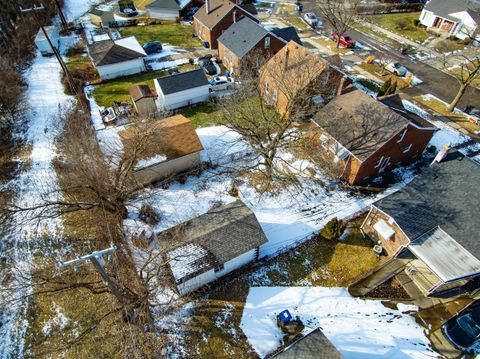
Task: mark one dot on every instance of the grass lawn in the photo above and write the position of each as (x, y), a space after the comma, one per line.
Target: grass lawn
(447, 45)
(168, 33)
(297, 22)
(201, 115)
(376, 71)
(402, 24)
(140, 4)
(215, 329)
(440, 108)
(378, 35)
(331, 45)
(117, 90)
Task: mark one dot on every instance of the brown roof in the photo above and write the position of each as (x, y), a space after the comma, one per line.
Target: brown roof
(172, 137)
(360, 123)
(140, 91)
(108, 52)
(218, 10)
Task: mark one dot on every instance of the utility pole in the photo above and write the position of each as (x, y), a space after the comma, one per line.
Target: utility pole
(64, 67)
(96, 258)
(62, 16)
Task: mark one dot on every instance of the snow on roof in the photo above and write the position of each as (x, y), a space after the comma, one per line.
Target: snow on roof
(131, 43)
(150, 161)
(444, 256)
(41, 36)
(187, 260)
(384, 229)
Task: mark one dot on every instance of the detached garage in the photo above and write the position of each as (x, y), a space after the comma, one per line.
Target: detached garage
(166, 9)
(41, 41)
(183, 89)
(117, 58)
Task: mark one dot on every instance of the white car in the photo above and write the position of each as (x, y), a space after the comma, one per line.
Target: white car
(311, 19)
(219, 83)
(396, 68)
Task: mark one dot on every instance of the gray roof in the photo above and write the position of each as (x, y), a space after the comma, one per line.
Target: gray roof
(313, 346)
(288, 34)
(446, 7)
(242, 36)
(182, 81)
(445, 195)
(163, 4)
(109, 52)
(222, 234)
(436, 245)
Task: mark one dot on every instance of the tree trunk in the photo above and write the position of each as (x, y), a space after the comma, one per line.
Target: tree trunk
(338, 42)
(461, 91)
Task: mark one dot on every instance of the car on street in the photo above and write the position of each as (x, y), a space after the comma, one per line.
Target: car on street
(396, 68)
(463, 330)
(207, 63)
(311, 19)
(219, 83)
(345, 40)
(129, 12)
(152, 47)
(473, 114)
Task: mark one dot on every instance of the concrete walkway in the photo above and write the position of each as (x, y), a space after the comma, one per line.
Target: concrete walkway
(378, 276)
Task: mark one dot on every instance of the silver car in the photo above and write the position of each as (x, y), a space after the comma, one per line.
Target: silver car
(396, 68)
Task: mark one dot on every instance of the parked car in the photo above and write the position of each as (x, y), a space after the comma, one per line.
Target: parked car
(311, 19)
(396, 68)
(473, 114)
(219, 83)
(345, 40)
(463, 330)
(152, 47)
(208, 65)
(129, 12)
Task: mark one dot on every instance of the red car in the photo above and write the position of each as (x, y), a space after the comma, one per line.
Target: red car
(345, 40)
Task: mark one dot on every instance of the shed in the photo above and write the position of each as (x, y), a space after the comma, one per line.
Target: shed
(164, 148)
(212, 245)
(182, 89)
(41, 41)
(143, 100)
(166, 9)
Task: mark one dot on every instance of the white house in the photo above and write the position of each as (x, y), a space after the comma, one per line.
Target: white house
(459, 18)
(116, 58)
(212, 245)
(41, 41)
(182, 89)
(166, 9)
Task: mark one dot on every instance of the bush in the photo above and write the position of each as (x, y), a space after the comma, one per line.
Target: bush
(388, 88)
(148, 214)
(333, 229)
(233, 190)
(416, 22)
(182, 179)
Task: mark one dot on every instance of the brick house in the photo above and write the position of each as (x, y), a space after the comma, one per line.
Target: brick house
(432, 224)
(364, 137)
(216, 16)
(296, 74)
(247, 42)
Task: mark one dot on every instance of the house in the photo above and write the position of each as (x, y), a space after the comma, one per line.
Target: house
(288, 34)
(364, 138)
(296, 74)
(212, 245)
(166, 9)
(102, 18)
(314, 345)
(182, 89)
(143, 100)
(434, 222)
(164, 148)
(116, 58)
(458, 18)
(246, 45)
(41, 41)
(216, 16)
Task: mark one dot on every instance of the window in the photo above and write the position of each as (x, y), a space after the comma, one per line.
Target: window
(266, 87)
(267, 42)
(379, 162)
(408, 148)
(382, 163)
(219, 268)
(402, 135)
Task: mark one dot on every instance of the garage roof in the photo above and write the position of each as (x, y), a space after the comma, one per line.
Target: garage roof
(182, 81)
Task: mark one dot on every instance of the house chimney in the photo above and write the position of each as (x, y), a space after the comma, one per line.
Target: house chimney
(341, 86)
(207, 6)
(441, 154)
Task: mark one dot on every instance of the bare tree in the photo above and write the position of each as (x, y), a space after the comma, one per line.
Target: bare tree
(468, 72)
(339, 14)
(11, 93)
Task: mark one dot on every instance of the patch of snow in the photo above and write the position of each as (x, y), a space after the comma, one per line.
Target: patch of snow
(150, 161)
(165, 65)
(131, 43)
(407, 308)
(60, 321)
(357, 328)
(186, 260)
(73, 9)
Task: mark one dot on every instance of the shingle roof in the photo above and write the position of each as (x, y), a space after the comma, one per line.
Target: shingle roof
(182, 81)
(446, 7)
(140, 91)
(288, 34)
(163, 4)
(109, 52)
(172, 137)
(223, 233)
(360, 123)
(218, 10)
(242, 36)
(444, 195)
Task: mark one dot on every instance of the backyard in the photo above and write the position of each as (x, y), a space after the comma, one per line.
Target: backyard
(167, 33)
(401, 23)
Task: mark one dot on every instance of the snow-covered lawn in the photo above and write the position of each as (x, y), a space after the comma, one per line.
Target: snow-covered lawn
(360, 329)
